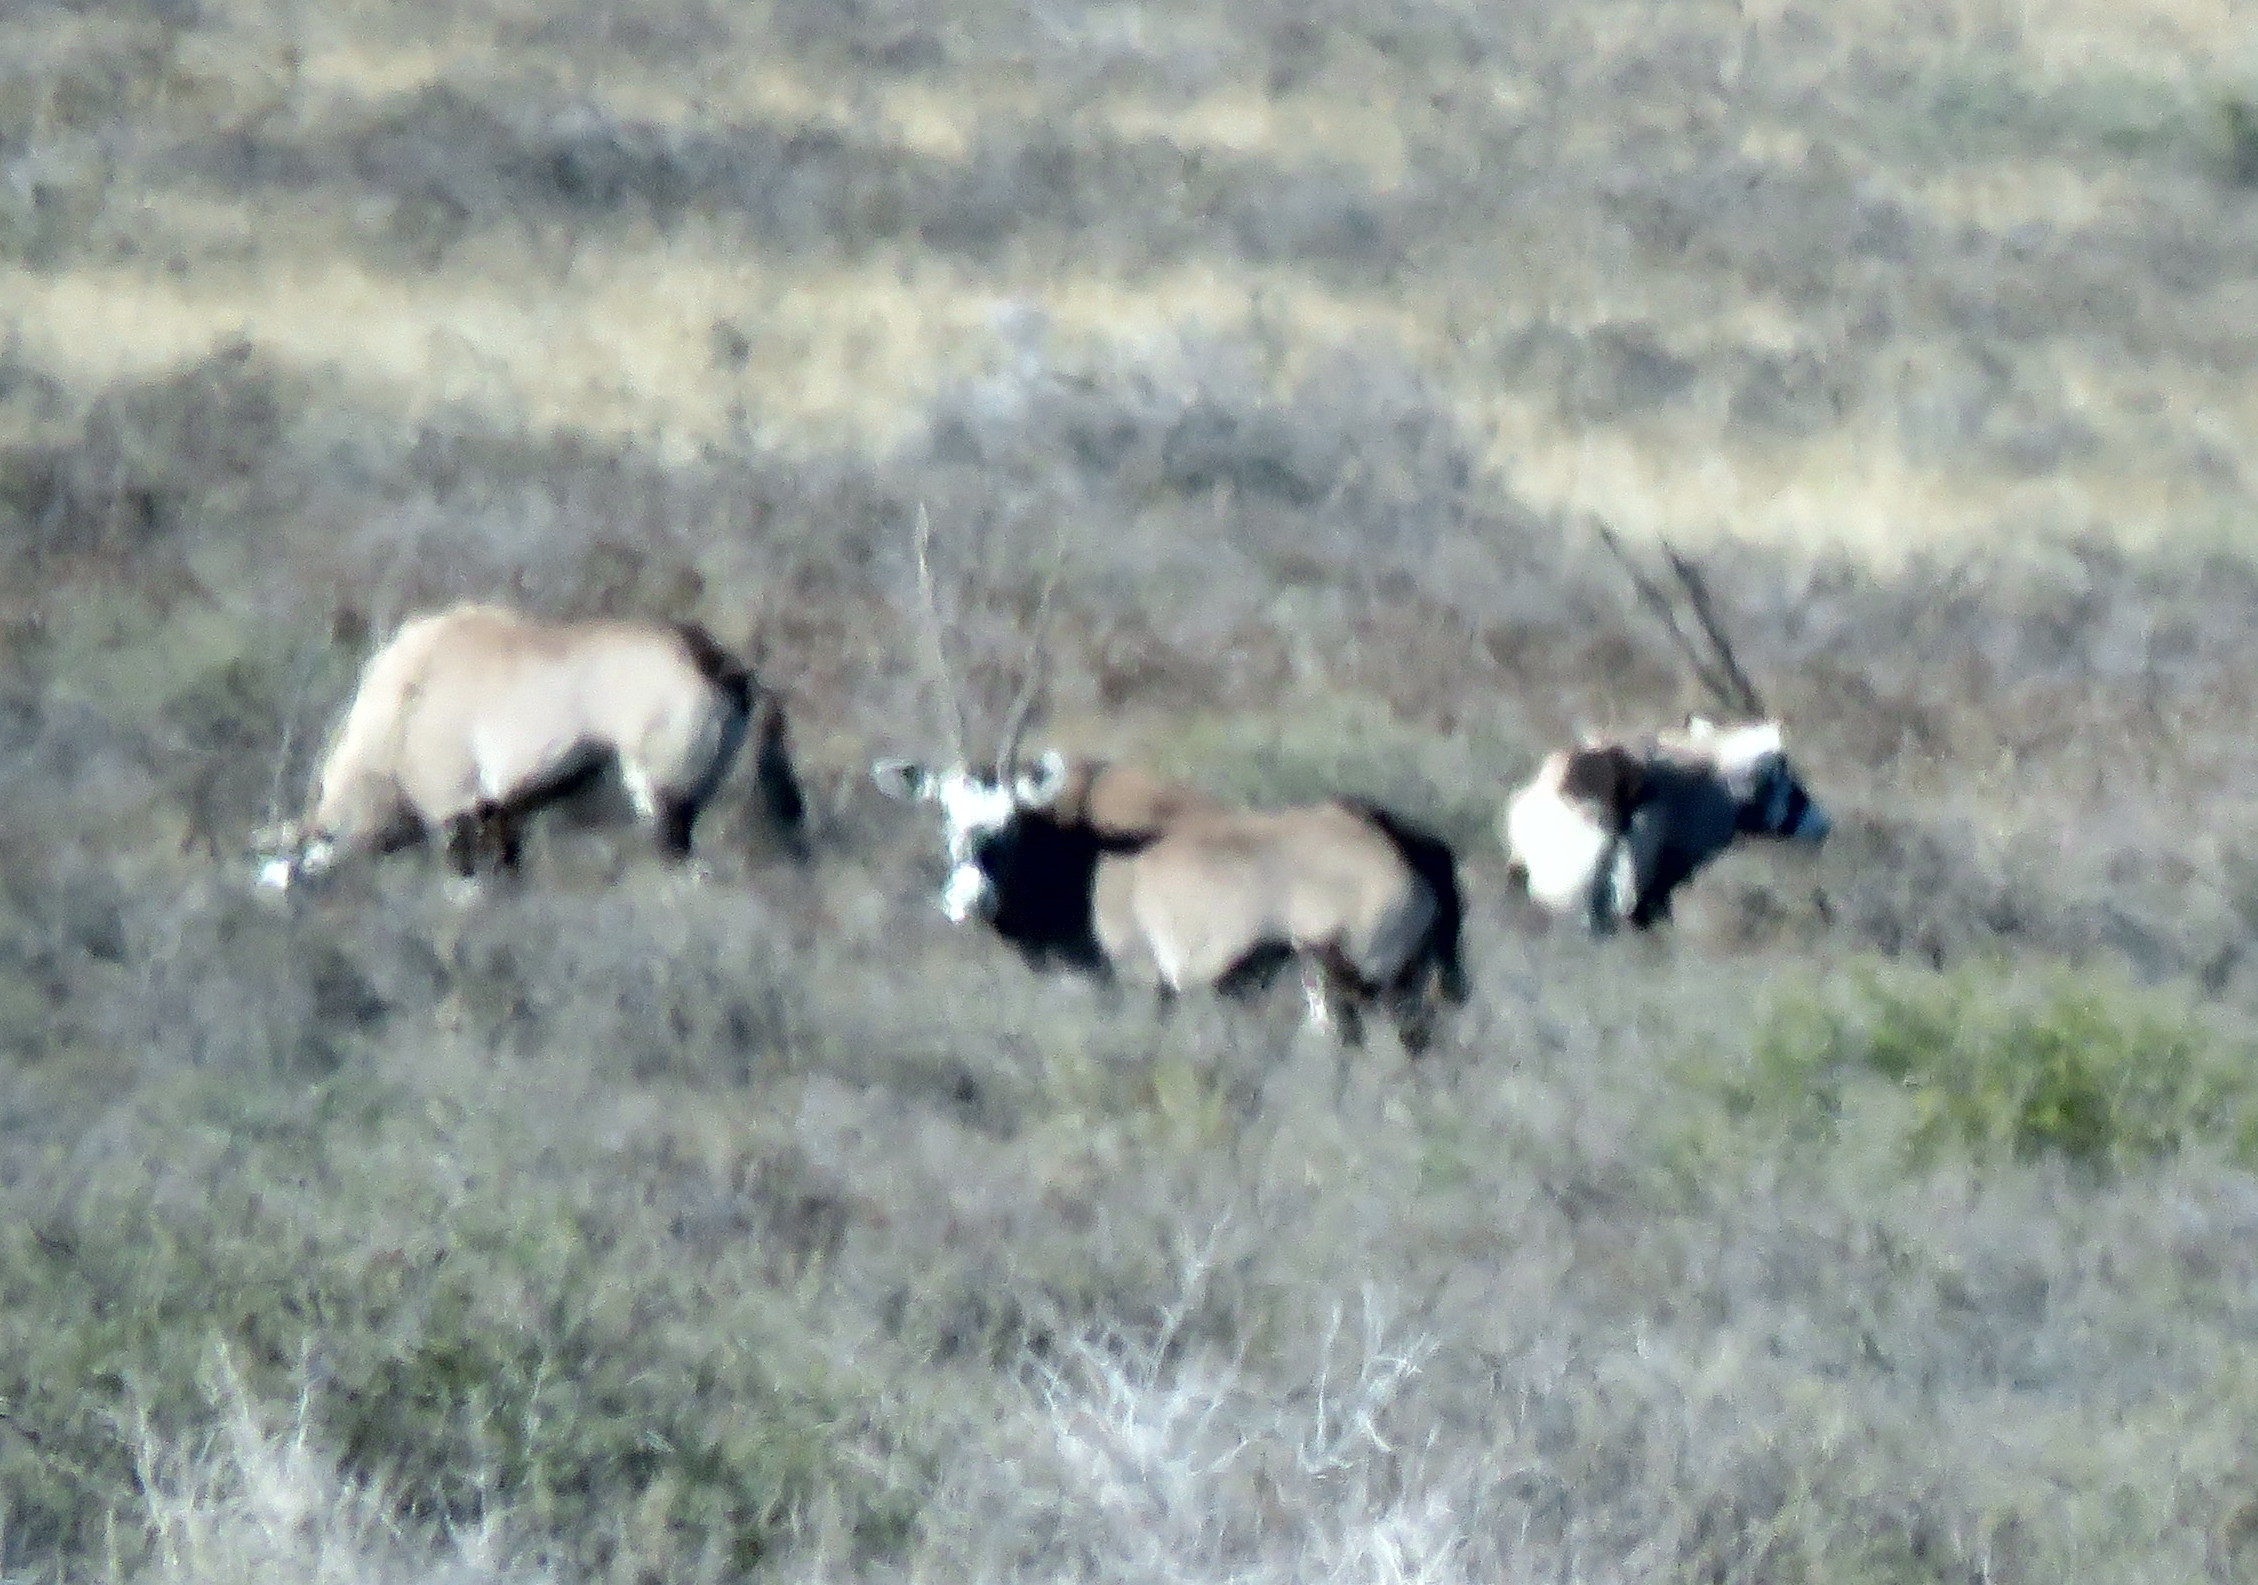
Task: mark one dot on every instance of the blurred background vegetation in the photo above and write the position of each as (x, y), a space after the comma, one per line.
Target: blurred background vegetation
(1891, 1220)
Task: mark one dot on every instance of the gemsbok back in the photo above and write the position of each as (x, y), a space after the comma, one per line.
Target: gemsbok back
(471, 718)
(1108, 868)
(1611, 829)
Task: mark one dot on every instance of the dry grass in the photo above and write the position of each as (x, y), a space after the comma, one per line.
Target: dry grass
(255, 1499)
(610, 1228)
(615, 331)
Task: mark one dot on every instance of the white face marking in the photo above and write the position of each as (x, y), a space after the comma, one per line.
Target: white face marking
(319, 855)
(972, 809)
(1741, 749)
(276, 874)
(966, 892)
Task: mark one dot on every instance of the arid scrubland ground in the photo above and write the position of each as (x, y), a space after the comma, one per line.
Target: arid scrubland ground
(1891, 1220)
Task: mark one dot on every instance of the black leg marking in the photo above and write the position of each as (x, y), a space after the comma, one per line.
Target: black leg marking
(1342, 992)
(507, 838)
(1413, 1012)
(676, 817)
(464, 837)
(1349, 1016)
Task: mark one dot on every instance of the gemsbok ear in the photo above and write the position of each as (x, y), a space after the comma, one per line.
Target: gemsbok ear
(904, 781)
(1046, 781)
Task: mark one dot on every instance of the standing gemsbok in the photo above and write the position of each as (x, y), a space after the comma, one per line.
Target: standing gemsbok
(470, 718)
(1611, 828)
(1108, 868)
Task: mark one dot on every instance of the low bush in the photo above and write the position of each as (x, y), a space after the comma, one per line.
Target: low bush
(476, 1343)
(2071, 1063)
(257, 1494)
(2242, 141)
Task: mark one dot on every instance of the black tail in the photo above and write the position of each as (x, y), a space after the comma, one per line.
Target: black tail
(773, 773)
(717, 665)
(778, 781)
(1432, 860)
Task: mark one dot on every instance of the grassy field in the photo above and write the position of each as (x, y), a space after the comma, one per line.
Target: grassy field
(1894, 1219)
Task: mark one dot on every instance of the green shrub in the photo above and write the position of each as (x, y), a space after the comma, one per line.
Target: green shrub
(2242, 141)
(2071, 1063)
(500, 1346)
(1349, 744)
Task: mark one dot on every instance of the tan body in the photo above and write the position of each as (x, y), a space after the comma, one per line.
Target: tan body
(469, 716)
(1124, 800)
(1217, 884)
(1115, 869)
(1166, 886)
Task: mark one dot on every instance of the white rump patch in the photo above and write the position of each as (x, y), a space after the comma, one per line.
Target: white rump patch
(1560, 846)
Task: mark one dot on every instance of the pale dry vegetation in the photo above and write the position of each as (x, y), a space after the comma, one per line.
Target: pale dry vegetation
(1894, 1219)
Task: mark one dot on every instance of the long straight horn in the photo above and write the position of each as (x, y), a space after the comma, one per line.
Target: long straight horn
(937, 649)
(1031, 680)
(1744, 695)
(1731, 686)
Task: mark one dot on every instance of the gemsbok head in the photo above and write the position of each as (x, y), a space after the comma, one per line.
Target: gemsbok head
(1109, 868)
(471, 718)
(1611, 828)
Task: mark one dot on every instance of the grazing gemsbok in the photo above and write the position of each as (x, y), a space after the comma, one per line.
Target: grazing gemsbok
(1108, 868)
(1611, 828)
(471, 718)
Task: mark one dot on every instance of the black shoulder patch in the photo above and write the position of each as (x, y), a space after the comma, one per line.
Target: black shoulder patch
(1609, 775)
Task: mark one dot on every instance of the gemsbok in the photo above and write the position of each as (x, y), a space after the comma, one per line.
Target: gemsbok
(470, 719)
(1108, 868)
(1611, 829)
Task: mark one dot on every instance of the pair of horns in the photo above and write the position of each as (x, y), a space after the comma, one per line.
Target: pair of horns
(1032, 670)
(1719, 671)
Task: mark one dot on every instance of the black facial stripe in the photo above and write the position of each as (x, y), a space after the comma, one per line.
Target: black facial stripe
(1791, 812)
